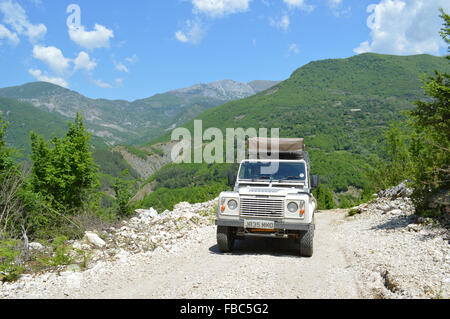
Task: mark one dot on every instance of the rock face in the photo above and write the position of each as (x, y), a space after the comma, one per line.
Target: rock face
(226, 90)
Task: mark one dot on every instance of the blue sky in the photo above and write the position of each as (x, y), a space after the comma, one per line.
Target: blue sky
(134, 49)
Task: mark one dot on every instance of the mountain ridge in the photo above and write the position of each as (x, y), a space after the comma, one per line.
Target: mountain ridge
(128, 122)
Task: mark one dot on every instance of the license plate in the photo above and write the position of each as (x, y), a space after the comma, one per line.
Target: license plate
(260, 224)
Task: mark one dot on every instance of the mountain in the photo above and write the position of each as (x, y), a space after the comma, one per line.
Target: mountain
(342, 107)
(124, 122)
(22, 117)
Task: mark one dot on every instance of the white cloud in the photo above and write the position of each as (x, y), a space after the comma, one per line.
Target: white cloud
(117, 83)
(102, 84)
(132, 59)
(181, 37)
(220, 8)
(193, 34)
(84, 62)
(98, 38)
(338, 9)
(16, 17)
(334, 2)
(404, 27)
(37, 74)
(299, 4)
(121, 67)
(5, 33)
(53, 57)
(283, 23)
(293, 48)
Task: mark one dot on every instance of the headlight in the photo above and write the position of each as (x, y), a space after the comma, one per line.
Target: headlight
(292, 207)
(232, 204)
(302, 204)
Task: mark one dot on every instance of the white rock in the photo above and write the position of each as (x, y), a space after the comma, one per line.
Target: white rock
(36, 246)
(94, 239)
(149, 213)
(395, 212)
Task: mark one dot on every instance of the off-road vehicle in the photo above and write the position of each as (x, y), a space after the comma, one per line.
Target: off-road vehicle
(271, 197)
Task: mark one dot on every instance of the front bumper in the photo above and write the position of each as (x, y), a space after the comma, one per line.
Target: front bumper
(278, 224)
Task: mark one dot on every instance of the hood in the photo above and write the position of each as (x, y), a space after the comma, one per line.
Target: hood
(270, 191)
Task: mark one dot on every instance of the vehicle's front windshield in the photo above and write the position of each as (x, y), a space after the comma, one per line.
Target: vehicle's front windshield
(287, 171)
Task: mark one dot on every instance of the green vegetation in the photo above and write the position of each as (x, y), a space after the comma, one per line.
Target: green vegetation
(123, 190)
(341, 107)
(112, 163)
(60, 254)
(193, 183)
(137, 152)
(324, 197)
(63, 170)
(420, 150)
(8, 260)
(24, 117)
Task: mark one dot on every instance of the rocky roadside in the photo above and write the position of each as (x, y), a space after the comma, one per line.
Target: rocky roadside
(146, 234)
(391, 252)
(397, 254)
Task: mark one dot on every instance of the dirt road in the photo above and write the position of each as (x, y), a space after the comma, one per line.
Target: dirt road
(378, 254)
(258, 268)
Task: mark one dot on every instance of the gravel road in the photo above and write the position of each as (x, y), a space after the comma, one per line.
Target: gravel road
(258, 268)
(375, 254)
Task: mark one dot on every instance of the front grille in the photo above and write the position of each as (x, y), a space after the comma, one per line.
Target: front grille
(262, 207)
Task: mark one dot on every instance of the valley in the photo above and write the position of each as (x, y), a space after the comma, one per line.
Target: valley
(342, 107)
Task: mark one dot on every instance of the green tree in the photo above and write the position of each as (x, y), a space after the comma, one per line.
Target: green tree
(63, 168)
(123, 190)
(430, 146)
(5, 152)
(396, 166)
(324, 197)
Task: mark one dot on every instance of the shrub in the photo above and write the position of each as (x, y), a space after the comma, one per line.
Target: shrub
(9, 253)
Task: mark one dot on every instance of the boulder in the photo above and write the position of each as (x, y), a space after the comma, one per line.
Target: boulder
(94, 239)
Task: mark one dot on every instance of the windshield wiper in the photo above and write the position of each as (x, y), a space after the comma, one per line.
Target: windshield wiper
(287, 178)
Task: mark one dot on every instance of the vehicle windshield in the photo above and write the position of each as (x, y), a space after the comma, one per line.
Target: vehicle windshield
(286, 171)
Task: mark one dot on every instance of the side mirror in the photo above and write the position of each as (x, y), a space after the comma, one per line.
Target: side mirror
(231, 179)
(314, 181)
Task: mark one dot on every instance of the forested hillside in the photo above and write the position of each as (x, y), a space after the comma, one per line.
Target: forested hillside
(124, 122)
(342, 108)
(23, 117)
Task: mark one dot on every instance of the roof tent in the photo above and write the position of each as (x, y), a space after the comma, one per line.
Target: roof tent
(287, 148)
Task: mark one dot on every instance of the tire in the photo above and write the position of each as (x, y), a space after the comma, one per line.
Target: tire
(307, 242)
(225, 239)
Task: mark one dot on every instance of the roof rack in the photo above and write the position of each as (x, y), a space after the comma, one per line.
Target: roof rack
(287, 148)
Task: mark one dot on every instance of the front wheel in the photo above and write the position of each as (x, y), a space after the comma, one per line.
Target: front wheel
(225, 239)
(306, 242)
